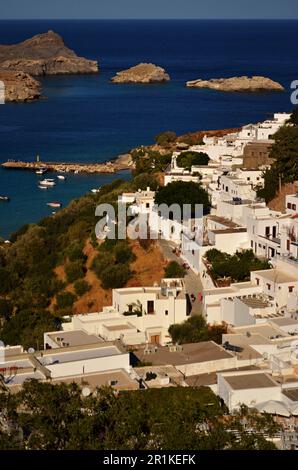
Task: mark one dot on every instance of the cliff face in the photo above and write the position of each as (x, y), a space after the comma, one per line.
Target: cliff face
(44, 54)
(241, 84)
(20, 87)
(142, 73)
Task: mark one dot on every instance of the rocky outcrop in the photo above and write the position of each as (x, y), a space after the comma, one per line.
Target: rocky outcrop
(142, 73)
(44, 54)
(19, 87)
(241, 84)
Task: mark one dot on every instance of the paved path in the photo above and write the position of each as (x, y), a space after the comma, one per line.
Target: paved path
(193, 282)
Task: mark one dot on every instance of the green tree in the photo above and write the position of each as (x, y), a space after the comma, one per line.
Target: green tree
(65, 300)
(181, 193)
(74, 271)
(165, 138)
(174, 270)
(189, 158)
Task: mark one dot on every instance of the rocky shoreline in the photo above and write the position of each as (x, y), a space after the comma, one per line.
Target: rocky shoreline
(19, 87)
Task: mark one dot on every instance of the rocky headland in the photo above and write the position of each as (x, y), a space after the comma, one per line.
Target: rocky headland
(142, 73)
(238, 84)
(44, 54)
(19, 86)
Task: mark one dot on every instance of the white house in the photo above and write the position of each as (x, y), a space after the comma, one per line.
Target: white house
(138, 314)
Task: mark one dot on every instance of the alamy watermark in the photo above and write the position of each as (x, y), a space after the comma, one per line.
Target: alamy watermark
(2, 92)
(158, 222)
(294, 94)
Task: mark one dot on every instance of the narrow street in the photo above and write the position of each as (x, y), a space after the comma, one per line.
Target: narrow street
(193, 282)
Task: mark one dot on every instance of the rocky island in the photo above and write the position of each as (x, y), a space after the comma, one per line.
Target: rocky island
(142, 73)
(44, 54)
(19, 86)
(238, 84)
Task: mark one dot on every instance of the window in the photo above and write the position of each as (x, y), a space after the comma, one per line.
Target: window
(166, 312)
(293, 207)
(268, 286)
(257, 281)
(289, 205)
(147, 205)
(150, 307)
(291, 288)
(192, 252)
(130, 308)
(251, 244)
(227, 189)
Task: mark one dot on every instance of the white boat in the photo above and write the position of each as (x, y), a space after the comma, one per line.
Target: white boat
(42, 187)
(61, 177)
(95, 191)
(47, 182)
(54, 204)
(41, 171)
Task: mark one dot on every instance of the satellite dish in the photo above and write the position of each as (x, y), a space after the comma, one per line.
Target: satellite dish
(31, 350)
(86, 392)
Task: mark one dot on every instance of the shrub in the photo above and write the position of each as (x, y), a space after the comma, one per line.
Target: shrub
(174, 269)
(65, 300)
(113, 277)
(180, 192)
(144, 180)
(74, 271)
(81, 287)
(165, 138)
(123, 253)
(6, 309)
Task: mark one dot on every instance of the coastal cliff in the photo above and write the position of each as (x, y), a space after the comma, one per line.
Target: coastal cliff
(238, 84)
(142, 73)
(44, 54)
(19, 86)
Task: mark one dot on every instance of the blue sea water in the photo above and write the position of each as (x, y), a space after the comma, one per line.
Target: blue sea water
(86, 118)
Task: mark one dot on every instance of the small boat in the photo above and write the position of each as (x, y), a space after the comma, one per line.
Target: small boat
(41, 171)
(47, 182)
(42, 187)
(4, 198)
(95, 191)
(54, 204)
(61, 177)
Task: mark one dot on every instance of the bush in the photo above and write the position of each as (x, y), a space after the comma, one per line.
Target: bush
(123, 253)
(74, 271)
(174, 269)
(113, 277)
(195, 330)
(165, 138)
(189, 158)
(75, 252)
(81, 287)
(143, 181)
(65, 300)
(6, 309)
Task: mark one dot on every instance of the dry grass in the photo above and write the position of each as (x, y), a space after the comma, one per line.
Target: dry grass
(279, 202)
(148, 269)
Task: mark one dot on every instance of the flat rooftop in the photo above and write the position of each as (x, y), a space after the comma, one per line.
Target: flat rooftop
(201, 380)
(277, 276)
(123, 326)
(245, 381)
(285, 321)
(74, 338)
(62, 355)
(265, 330)
(291, 393)
(118, 379)
(229, 230)
(191, 353)
(223, 221)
